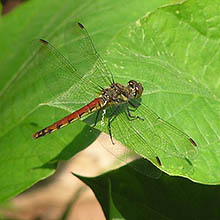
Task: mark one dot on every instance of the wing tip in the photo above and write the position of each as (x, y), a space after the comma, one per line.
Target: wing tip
(81, 26)
(158, 161)
(193, 142)
(43, 41)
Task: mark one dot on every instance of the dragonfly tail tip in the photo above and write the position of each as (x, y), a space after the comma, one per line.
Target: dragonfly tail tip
(38, 134)
(35, 136)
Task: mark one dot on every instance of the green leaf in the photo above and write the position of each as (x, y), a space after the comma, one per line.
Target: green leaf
(113, 211)
(25, 161)
(160, 51)
(138, 197)
(174, 53)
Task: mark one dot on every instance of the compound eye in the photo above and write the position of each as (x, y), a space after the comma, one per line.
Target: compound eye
(132, 83)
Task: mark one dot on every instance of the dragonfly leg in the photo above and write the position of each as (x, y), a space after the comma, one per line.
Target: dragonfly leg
(130, 103)
(110, 119)
(132, 117)
(96, 118)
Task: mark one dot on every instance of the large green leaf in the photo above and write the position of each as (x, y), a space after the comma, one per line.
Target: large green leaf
(160, 50)
(139, 197)
(21, 90)
(174, 52)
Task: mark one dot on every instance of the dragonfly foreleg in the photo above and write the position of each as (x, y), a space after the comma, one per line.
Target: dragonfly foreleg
(110, 119)
(132, 117)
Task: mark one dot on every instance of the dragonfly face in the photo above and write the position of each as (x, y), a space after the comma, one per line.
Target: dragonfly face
(136, 89)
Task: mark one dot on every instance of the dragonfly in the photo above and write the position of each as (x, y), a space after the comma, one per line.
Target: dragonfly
(128, 119)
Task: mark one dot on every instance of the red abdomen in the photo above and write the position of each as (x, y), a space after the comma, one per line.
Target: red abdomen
(94, 105)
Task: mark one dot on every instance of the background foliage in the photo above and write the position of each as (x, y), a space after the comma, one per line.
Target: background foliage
(175, 49)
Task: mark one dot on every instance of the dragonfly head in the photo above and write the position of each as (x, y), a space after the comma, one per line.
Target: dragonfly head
(135, 88)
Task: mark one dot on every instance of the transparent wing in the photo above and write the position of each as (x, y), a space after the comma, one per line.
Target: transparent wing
(128, 156)
(81, 73)
(155, 139)
(81, 50)
(53, 67)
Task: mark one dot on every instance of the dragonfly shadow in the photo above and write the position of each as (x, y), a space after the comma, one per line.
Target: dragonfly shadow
(78, 144)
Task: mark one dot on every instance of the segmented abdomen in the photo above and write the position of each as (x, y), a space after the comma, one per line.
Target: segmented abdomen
(94, 105)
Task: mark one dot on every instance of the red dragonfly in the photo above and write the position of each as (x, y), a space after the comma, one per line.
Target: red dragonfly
(86, 73)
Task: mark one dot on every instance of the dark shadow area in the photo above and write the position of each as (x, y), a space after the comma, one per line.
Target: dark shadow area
(136, 196)
(77, 145)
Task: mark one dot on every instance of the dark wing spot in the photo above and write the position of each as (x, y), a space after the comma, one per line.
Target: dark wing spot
(43, 41)
(158, 160)
(193, 142)
(80, 25)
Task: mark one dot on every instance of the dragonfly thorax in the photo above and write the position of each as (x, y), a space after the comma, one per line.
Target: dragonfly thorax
(117, 93)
